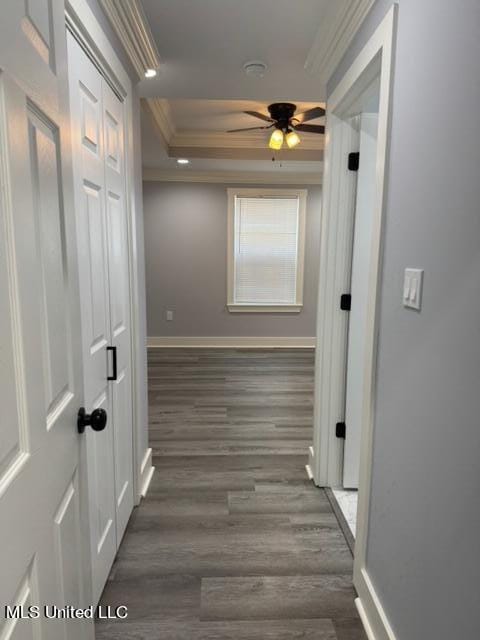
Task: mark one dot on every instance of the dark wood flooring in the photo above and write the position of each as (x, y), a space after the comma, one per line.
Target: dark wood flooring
(232, 542)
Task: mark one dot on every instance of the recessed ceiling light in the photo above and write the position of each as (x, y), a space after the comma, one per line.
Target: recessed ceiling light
(255, 68)
(150, 73)
(183, 161)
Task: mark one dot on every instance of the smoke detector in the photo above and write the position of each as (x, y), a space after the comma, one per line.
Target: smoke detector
(255, 68)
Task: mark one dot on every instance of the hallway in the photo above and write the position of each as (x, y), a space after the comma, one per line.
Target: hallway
(233, 541)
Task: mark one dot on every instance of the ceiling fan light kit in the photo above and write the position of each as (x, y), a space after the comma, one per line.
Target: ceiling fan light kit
(286, 123)
(292, 139)
(276, 139)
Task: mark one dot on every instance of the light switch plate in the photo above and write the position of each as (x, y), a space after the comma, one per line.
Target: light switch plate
(412, 288)
(169, 315)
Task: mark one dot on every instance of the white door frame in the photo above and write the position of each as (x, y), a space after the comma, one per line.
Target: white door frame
(374, 61)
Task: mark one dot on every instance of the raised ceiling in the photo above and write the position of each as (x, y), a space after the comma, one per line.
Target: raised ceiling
(197, 129)
(222, 115)
(201, 90)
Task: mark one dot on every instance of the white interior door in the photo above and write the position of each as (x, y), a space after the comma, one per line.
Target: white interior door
(366, 185)
(89, 176)
(40, 352)
(99, 171)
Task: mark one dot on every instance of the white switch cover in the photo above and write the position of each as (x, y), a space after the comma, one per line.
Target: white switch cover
(169, 316)
(412, 288)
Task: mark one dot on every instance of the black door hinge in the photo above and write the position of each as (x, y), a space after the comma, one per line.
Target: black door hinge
(341, 430)
(346, 301)
(353, 161)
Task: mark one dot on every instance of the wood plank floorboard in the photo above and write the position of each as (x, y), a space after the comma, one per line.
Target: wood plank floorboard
(232, 542)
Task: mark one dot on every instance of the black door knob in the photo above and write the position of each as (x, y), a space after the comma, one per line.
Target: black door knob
(97, 419)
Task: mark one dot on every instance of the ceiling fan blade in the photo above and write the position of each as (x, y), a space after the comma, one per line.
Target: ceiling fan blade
(257, 114)
(311, 114)
(250, 129)
(310, 128)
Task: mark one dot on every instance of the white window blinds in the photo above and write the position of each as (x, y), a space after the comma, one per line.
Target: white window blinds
(266, 250)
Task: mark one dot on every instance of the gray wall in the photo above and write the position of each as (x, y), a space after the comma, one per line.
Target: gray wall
(423, 543)
(186, 265)
(113, 38)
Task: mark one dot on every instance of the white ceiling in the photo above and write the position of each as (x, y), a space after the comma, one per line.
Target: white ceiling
(203, 45)
(222, 115)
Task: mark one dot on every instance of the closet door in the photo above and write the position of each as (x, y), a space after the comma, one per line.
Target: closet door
(86, 105)
(99, 165)
(119, 296)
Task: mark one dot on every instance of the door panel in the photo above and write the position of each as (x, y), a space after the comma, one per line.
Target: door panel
(89, 171)
(97, 323)
(40, 365)
(49, 225)
(33, 33)
(67, 545)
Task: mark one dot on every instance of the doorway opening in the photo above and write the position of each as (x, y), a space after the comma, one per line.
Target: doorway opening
(350, 267)
(362, 164)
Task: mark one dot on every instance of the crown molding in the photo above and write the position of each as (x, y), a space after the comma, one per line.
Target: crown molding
(225, 153)
(221, 139)
(332, 40)
(161, 114)
(131, 26)
(231, 177)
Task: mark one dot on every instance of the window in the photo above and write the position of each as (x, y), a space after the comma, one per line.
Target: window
(266, 249)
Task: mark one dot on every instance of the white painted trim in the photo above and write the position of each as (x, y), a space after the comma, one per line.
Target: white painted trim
(375, 60)
(331, 42)
(302, 195)
(237, 342)
(263, 308)
(231, 177)
(146, 473)
(311, 460)
(222, 139)
(370, 609)
(132, 28)
(364, 618)
(89, 32)
(160, 112)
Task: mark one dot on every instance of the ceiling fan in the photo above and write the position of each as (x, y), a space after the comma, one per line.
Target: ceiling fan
(285, 123)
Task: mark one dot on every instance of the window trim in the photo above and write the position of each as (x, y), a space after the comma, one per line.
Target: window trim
(235, 307)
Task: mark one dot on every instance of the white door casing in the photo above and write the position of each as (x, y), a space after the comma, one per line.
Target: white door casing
(357, 328)
(40, 352)
(99, 176)
(376, 60)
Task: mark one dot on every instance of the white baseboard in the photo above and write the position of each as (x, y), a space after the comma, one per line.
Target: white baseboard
(310, 463)
(232, 342)
(311, 457)
(146, 473)
(370, 609)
